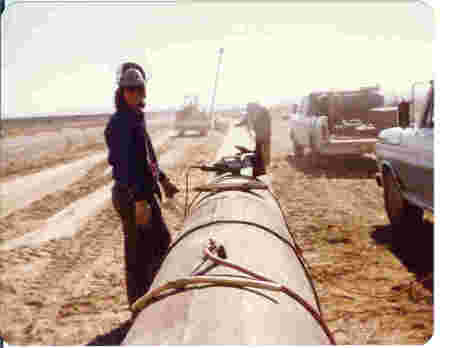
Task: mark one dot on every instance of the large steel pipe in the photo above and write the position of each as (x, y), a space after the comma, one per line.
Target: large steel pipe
(250, 226)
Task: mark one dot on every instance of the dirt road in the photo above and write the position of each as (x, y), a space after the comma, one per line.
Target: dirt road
(71, 291)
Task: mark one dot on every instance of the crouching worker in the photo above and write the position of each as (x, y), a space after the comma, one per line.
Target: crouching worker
(137, 177)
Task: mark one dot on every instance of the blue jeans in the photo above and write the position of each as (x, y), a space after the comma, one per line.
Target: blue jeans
(144, 246)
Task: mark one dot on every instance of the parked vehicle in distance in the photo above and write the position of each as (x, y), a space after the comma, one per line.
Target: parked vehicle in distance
(405, 159)
(334, 123)
(190, 117)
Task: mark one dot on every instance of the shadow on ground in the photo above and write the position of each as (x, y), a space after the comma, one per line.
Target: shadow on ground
(152, 248)
(412, 245)
(113, 338)
(337, 167)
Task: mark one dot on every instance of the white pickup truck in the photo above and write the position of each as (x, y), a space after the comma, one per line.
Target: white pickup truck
(309, 127)
(405, 159)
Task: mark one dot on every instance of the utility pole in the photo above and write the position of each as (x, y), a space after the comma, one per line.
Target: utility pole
(219, 62)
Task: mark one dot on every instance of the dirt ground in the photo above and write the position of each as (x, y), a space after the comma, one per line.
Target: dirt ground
(375, 285)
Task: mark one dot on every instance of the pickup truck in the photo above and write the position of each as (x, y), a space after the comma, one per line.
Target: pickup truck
(405, 160)
(320, 124)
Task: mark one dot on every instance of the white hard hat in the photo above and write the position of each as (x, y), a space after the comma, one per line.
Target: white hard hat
(131, 75)
(132, 78)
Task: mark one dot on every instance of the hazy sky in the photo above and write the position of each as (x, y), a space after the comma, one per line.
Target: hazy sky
(63, 57)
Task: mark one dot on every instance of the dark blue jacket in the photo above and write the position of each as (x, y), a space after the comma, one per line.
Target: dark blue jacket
(132, 156)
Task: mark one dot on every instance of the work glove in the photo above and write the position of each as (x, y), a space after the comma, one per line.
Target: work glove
(143, 213)
(169, 189)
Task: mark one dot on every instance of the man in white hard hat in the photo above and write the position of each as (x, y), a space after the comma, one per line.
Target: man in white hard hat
(137, 177)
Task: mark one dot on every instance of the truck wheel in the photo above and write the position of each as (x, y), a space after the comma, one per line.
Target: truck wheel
(299, 150)
(315, 157)
(399, 210)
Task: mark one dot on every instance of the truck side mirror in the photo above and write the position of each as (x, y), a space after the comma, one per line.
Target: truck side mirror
(403, 114)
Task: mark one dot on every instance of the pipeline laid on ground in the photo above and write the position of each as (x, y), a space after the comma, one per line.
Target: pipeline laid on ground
(232, 276)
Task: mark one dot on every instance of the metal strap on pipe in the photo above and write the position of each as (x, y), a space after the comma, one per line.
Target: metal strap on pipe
(215, 222)
(264, 228)
(261, 282)
(296, 248)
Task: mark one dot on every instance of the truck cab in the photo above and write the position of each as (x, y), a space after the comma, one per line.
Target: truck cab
(405, 158)
(332, 123)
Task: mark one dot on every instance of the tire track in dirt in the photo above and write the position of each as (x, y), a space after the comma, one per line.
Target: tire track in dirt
(30, 218)
(18, 168)
(30, 281)
(84, 276)
(25, 166)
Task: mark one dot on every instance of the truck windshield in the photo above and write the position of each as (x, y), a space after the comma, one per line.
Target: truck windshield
(428, 120)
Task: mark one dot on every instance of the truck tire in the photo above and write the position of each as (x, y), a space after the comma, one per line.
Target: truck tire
(299, 151)
(315, 158)
(400, 212)
(317, 139)
(314, 155)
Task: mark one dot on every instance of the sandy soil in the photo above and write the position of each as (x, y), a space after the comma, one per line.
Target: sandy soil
(375, 284)
(51, 294)
(372, 289)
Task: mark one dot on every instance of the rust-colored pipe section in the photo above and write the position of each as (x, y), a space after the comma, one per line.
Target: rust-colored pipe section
(251, 228)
